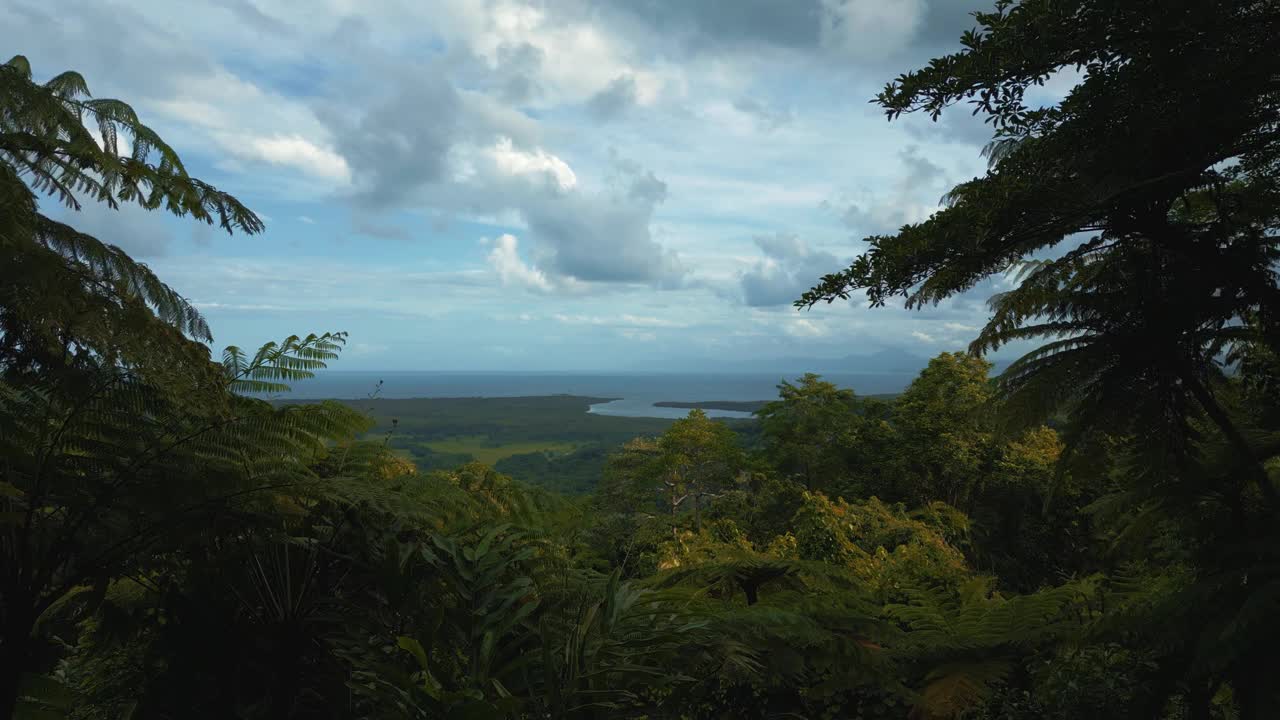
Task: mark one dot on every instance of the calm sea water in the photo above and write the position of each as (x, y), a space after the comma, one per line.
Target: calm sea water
(636, 392)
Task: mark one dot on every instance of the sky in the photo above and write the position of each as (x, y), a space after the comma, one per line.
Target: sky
(512, 185)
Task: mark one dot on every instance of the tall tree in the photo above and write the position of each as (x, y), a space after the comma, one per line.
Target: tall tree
(945, 443)
(116, 427)
(700, 457)
(1143, 211)
(628, 501)
(1155, 179)
(693, 460)
(810, 430)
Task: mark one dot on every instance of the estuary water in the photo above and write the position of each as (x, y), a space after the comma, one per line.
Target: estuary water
(635, 393)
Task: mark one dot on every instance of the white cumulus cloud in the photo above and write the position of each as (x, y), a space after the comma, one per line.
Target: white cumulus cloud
(804, 328)
(512, 161)
(505, 258)
(299, 153)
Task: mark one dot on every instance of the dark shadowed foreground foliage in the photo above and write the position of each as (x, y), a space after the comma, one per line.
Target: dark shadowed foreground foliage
(1091, 534)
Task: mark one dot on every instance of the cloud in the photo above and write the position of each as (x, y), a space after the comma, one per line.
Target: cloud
(472, 158)
(137, 231)
(402, 142)
(921, 171)
(705, 25)
(638, 328)
(647, 321)
(239, 307)
(944, 22)
(80, 35)
(296, 152)
(956, 125)
(334, 290)
(363, 225)
(870, 28)
(516, 69)
(923, 336)
(768, 117)
(580, 236)
(912, 198)
(536, 162)
(601, 240)
(250, 15)
(623, 320)
(424, 144)
(789, 267)
(867, 29)
(482, 119)
(578, 54)
(638, 335)
(505, 259)
(803, 328)
(361, 349)
(614, 100)
(647, 188)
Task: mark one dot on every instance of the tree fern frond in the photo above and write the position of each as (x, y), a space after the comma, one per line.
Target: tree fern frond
(275, 365)
(997, 150)
(20, 66)
(68, 85)
(43, 132)
(115, 270)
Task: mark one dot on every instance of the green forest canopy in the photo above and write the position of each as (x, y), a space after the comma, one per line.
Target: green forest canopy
(1093, 533)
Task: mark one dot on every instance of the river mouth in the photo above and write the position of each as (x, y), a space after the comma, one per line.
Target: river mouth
(628, 407)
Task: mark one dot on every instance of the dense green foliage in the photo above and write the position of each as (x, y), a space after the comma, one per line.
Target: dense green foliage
(1093, 533)
(550, 442)
(573, 473)
(1142, 217)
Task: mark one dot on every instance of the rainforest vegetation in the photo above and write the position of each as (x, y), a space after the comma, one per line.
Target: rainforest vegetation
(550, 441)
(1092, 533)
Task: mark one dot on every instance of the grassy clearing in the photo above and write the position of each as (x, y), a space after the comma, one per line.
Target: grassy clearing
(488, 452)
(443, 433)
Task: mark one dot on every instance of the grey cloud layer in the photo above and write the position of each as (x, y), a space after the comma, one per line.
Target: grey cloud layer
(789, 268)
(601, 240)
(138, 232)
(397, 134)
(402, 142)
(745, 115)
(716, 24)
(732, 25)
(614, 100)
(84, 36)
(425, 143)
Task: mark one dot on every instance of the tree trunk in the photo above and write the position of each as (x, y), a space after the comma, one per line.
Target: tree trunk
(10, 675)
(675, 534)
(1249, 695)
(1229, 430)
(1198, 701)
(15, 648)
(697, 514)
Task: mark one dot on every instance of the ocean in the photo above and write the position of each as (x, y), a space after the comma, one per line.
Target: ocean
(636, 393)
